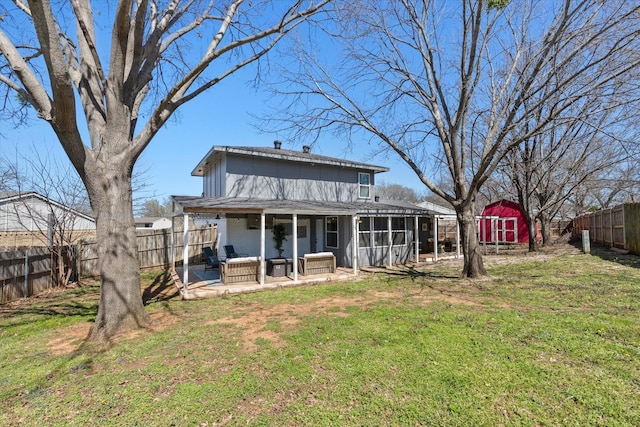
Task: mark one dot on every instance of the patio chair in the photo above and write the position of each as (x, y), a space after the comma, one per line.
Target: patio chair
(231, 252)
(210, 260)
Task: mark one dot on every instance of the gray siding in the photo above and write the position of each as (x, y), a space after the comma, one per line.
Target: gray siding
(32, 214)
(214, 181)
(274, 179)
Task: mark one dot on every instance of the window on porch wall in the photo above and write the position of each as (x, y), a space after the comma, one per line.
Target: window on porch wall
(379, 227)
(398, 231)
(331, 227)
(364, 232)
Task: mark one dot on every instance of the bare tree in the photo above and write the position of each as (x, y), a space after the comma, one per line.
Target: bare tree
(586, 141)
(53, 221)
(155, 208)
(162, 55)
(443, 84)
(397, 192)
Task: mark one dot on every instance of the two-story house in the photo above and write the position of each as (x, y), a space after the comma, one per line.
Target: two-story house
(325, 204)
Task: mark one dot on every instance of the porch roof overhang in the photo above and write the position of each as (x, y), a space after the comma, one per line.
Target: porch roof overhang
(214, 205)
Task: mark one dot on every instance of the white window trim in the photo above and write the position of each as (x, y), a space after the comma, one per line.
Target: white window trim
(365, 232)
(400, 230)
(360, 185)
(326, 232)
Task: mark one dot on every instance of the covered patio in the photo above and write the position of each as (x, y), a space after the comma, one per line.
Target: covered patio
(343, 231)
(207, 284)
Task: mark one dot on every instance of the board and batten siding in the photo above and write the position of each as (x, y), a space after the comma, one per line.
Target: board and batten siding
(273, 179)
(215, 180)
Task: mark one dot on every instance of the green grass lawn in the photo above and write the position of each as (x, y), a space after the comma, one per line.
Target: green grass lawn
(543, 341)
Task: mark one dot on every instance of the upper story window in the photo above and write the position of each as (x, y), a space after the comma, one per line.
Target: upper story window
(364, 181)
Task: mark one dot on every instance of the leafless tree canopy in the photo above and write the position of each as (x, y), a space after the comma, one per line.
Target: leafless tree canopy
(106, 76)
(446, 84)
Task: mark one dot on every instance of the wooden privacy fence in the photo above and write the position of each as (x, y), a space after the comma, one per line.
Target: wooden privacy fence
(24, 273)
(617, 227)
(154, 249)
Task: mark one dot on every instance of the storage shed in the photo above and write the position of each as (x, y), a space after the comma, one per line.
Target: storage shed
(509, 221)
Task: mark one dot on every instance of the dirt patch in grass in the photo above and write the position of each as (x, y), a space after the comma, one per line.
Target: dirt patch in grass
(260, 323)
(69, 339)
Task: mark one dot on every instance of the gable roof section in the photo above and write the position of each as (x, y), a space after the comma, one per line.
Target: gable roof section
(437, 208)
(194, 204)
(147, 219)
(281, 154)
(13, 196)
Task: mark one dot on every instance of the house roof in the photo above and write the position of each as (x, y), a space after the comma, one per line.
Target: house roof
(11, 196)
(193, 204)
(437, 208)
(148, 219)
(282, 154)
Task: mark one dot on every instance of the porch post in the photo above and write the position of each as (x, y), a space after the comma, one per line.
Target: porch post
(496, 231)
(172, 238)
(185, 253)
(354, 245)
(390, 240)
(457, 239)
(294, 265)
(435, 238)
(262, 251)
(416, 239)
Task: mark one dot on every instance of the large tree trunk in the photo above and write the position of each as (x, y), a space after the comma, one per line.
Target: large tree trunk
(545, 225)
(473, 264)
(121, 307)
(533, 242)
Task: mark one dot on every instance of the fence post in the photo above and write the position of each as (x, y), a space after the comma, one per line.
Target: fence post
(25, 293)
(586, 244)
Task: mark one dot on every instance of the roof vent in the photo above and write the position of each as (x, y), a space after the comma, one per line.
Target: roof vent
(277, 144)
(306, 149)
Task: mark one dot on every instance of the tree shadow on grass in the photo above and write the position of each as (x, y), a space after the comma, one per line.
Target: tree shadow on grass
(161, 289)
(80, 302)
(619, 256)
(413, 273)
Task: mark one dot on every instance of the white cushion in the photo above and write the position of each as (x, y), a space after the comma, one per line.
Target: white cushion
(319, 255)
(243, 259)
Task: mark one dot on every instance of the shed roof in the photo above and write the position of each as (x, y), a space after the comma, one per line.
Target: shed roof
(193, 204)
(282, 154)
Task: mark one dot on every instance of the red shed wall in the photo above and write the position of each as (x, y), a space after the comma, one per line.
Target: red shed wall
(505, 209)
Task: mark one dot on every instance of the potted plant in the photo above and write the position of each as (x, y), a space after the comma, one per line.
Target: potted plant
(279, 236)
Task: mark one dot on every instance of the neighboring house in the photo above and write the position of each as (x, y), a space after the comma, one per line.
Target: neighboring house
(152, 223)
(33, 213)
(332, 203)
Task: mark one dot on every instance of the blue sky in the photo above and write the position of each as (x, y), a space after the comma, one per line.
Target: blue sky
(223, 116)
